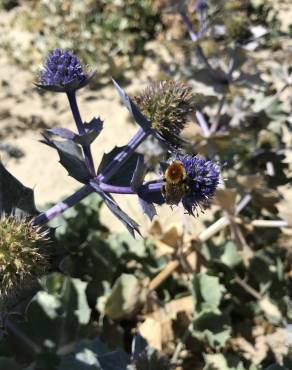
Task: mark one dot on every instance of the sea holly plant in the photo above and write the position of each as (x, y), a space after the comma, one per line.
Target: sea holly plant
(162, 110)
(26, 255)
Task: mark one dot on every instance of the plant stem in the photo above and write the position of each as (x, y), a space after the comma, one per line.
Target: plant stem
(121, 157)
(270, 223)
(81, 130)
(231, 68)
(216, 122)
(107, 188)
(194, 37)
(82, 193)
(203, 123)
(60, 207)
(148, 187)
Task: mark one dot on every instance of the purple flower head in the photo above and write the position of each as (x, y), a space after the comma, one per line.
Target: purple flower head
(202, 5)
(201, 181)
(63, 72)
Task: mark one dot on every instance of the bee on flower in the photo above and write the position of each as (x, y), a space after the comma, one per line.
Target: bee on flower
(191, 180)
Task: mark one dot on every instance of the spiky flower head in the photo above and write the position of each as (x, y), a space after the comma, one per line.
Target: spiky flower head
(167, 104)
(21, 255)
(63, 72)
(201, 181)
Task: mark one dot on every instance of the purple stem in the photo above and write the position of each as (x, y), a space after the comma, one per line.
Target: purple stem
(60, 207)
(107, 188)
(81, 130)
(188, 23)
(80, 194)
(151, 187)
(203, 123)
(121, 157)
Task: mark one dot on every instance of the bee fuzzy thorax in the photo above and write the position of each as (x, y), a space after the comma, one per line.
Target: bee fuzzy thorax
(175, 187)
(175, 173)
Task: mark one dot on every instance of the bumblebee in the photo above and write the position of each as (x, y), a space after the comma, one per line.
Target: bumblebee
(175, 186)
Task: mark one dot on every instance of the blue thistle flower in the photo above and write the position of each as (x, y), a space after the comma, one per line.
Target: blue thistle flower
(63, 72)
(202, 181)
(191, 180)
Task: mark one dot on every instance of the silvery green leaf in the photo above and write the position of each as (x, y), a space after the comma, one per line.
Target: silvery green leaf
(231, 257)
(124, 298)
(212, 326)
(208, 292)
(61, 312)
(123, 243)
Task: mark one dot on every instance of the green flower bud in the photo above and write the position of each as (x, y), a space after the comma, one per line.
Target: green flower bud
(167, 104)
(22, 259)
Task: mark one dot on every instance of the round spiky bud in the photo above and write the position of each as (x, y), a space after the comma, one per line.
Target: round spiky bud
(167, 104)
(63, 72)
(21, 257)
